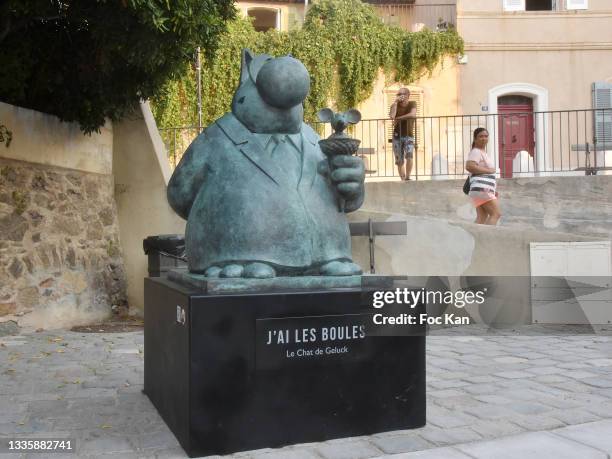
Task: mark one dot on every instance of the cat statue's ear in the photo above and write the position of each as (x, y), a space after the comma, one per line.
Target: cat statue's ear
(247, 57)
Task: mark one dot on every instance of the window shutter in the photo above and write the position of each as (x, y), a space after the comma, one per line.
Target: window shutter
(577, 4)
(602, 99)
(416, 95)
(514, 5)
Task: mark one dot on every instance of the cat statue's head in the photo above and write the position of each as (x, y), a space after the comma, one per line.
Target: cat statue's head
(270, 94)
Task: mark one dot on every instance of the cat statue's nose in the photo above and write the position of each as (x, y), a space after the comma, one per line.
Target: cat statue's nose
(283, 82)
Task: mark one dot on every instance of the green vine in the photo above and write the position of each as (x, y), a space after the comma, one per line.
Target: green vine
(343, 44)
(6, 136)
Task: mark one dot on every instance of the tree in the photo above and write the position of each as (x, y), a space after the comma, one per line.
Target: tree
(88, 60)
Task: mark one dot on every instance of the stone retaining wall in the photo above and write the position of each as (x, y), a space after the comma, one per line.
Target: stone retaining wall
(575, 205)
(60, 257)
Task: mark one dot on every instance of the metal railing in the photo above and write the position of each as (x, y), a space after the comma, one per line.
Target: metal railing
(435, 16)
(571, 142)
(520, 144)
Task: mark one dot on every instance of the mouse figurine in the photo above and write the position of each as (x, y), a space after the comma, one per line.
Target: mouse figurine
(339, 121)
(258, 194)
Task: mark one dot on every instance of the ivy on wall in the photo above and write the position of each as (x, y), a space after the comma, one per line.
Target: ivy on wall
(343, 44)
(6, 136)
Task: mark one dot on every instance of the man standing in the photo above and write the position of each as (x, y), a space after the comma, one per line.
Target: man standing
(403, 114)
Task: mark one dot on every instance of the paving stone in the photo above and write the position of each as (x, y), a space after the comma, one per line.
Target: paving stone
(575, 416)
(530, 408)
(456, 403)
(290, 454)
(445, 393)
(482, 389)
(532, 445)
(510, 359)
(488, 411)
(551, 378)
(105, 445)
(536, 422)
(402, 443)
(500, 428)
(581, 385)
(603, 409)
(513, 374)
(494, 399)
(442, 437)
(453, 375)
(538, 390)
(127, 351)
(347, 450)
(560, 402)
(437, 453)
(533, 355)
(573, 366)
(8, 407)
(450, 383)
(545, 370)
(596, 434)
(39, 396)
(600, 362)
(480, 379)
(442, 417)
(580, 374)
(25, 426)
(598, 382)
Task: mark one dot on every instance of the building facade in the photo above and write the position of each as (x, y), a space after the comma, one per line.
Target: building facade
(546, 66)
(536, 73)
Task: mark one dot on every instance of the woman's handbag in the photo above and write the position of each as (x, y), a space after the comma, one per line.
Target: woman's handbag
(466, 185)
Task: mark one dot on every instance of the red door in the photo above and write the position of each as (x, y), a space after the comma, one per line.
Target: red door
(515, 134)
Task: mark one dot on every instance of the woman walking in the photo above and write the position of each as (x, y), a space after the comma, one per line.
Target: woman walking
(482, 180)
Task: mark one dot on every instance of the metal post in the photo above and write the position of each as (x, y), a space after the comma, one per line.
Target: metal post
(199, 81)
(371, 236)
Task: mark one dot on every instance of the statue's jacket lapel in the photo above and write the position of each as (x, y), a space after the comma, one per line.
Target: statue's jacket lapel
(246, 142)
(311, 156)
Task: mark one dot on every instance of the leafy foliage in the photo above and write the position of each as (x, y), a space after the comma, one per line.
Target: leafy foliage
(343, 44)
(87, 60)
(6, 136)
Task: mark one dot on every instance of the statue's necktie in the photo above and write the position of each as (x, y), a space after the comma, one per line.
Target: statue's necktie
(286, 156)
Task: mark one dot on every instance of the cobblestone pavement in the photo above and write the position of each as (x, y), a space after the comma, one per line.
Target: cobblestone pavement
(488, 396)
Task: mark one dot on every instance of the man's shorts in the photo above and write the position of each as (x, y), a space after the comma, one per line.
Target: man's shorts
(403, 147)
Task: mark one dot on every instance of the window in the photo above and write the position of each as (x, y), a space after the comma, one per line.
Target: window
(530, 5)
(577, 4)
(539, 5)
(544, 5)
(602, 103)
(514, 5)
(264, 18)
(416, 95)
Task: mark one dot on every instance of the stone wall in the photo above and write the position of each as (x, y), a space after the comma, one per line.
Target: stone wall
(575, 205)
(60, 257)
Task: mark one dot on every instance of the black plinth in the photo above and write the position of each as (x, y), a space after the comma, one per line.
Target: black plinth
(231, 373)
